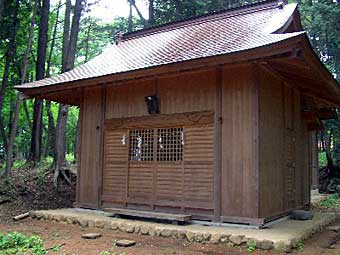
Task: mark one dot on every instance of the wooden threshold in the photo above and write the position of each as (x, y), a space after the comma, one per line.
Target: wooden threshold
(150, 215)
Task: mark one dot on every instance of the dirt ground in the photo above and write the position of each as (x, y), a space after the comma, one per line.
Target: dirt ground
(69, 236)
(31, 190)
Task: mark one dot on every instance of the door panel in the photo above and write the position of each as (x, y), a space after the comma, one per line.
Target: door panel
(178, 174)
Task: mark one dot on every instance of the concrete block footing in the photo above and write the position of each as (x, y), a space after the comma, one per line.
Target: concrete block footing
(282, 236)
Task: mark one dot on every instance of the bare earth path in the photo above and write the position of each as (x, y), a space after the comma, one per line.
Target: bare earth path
(70, 235)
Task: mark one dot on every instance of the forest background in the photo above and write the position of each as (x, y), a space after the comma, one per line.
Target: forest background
(41, 38)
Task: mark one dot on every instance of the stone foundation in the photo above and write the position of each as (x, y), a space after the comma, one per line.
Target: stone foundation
(282, 236)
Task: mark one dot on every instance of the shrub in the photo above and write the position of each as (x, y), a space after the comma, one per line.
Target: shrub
(18, 243)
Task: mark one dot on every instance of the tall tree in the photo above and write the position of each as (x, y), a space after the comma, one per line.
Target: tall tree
(2, 5)
(151, 20)
(51, 129)
(69, 54)
(130, 20)
(10, 52)
(40, 74)
(9, 159)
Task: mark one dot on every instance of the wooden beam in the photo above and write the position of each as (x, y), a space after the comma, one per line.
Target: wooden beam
(298, 82)
(150, 215)
(161, 120)
(218, 145)
(81, 116)
(101, 152)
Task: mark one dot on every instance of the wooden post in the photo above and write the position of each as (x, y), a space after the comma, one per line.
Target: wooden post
(81, 109)
(101, 152)
(218, 145)
(314, 162)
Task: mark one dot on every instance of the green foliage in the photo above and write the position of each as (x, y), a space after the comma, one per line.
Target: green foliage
(322, 159)
(18, 243)
(170, 10)
(321, 20)
(332, 201)
(300, 246)
(251, 246)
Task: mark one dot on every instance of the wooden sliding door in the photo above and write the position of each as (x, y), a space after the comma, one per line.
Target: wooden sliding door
(160, 165)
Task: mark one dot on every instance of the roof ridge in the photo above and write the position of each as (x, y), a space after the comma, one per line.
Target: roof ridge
(240, 10)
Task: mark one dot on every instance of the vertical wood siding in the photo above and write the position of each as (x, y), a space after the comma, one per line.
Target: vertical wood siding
(187, 93)
(90, 153)
(177, 94)
(240, 143)
(156, 186)
(275, 174)
(284, 153)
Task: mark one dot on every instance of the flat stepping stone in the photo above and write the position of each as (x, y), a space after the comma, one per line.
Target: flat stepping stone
(91, 235)
(125, 243)
(302, 215)
(334, 228)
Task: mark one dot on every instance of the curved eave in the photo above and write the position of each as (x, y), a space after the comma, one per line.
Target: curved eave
(322, 69)
(69, 92)
(305, 70)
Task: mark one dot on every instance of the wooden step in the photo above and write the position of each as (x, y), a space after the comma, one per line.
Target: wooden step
(174, 217)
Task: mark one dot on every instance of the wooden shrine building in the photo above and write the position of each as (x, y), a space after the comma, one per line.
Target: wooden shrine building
(213, 117)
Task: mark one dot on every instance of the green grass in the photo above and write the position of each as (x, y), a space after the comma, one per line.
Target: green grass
(332, 201)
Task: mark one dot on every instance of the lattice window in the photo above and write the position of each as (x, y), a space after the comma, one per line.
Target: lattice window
(141, 145)
(170, 142)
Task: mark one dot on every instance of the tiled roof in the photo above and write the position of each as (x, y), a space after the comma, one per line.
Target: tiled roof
(219, 34)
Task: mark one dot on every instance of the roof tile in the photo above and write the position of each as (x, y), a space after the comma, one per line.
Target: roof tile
(219, 35)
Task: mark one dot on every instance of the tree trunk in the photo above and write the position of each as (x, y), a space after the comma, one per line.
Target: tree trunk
(50, 136)
(54, 35)
(9, 160)
(151, 20)
(179, 9)
(40, 74)
(60, 142)
(58, 147)
(69, 53)
(66, 35)
(133, 3)
(330, 163)
(9, 57)
(51, 131)
(130, 21)
(27, 115)
(77, 139)
(2, 5)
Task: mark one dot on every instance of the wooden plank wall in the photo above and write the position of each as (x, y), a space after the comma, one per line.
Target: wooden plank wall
(180, 186)
(162, 186)
(192, 92)
(115, 166)
(273, 175)
(284, 148)
(256, 129)
(240, 144)
(90, 152)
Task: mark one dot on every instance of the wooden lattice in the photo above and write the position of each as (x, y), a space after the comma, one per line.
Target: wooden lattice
(141, 145)
(170, 144)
